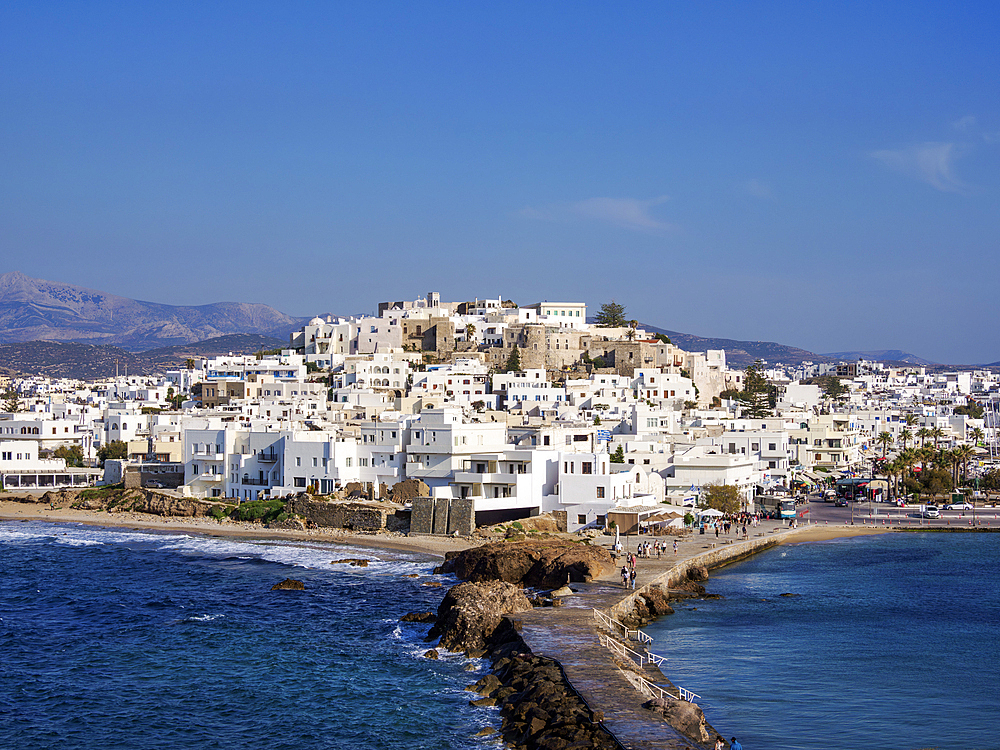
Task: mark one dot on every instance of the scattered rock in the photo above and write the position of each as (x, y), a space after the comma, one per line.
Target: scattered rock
(487, 685)
(483, 702)
(431, 653)
(697, 573)
(355, 562)
(289, 584)
(488, 732)
(563, 591)
(419, 617)
(412, 575)
(432, 584)
(790, 595)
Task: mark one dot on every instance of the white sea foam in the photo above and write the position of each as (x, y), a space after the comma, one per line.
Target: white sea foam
(301, 554)
(203, 618)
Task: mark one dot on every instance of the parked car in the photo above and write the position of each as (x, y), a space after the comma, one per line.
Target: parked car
(958, 506)
(931, 511)
(840, 503)
(155, 484)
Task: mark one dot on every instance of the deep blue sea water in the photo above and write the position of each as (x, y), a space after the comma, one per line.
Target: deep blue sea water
(128, 639)
(892, 642)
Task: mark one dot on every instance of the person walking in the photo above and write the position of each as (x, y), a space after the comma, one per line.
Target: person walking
(720, 744)
(633, 579)
(735, 745)
(675, 546)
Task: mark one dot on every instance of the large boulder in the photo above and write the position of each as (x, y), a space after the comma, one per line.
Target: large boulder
(545, 564)
(683, 716)
(471, 612)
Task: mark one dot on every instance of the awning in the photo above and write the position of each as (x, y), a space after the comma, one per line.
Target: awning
(710, 512)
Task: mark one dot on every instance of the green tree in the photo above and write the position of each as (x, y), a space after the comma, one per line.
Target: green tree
(611, 315)
(72, 453)
(513, 361)
(756, 393)
(723, 497)
(114, 449)
(11, 402)
(662, 338)
(923, 433)
(971, 409)
(189, 364)
(977, 435)
(479, 405)
(597, 419)
(831, 386)
(905, 437)
(963, 454)
(618, 457)
(884, 439)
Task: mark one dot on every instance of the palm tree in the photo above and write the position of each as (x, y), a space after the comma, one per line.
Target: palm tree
(923, 433)
(906, 436)
(963, 454)
(910, 420)
(977, 435)
(885, 440)
(936, 433)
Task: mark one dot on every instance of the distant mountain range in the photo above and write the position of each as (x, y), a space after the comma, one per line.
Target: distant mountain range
(90, 362)
(147, 335)
(37, 310)
(739, 354)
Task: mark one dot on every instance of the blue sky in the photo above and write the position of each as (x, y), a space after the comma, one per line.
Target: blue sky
(822, 175)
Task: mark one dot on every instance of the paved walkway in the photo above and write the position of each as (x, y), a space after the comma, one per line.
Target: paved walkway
(570, 635)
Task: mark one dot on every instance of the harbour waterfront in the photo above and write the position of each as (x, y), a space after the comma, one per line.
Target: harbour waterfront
(116, 638)
(886, 641)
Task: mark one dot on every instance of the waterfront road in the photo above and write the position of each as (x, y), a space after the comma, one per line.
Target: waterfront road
(880, 514)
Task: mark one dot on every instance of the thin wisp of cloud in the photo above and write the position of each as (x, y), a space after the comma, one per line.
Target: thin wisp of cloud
(928, 162)
(627, 213)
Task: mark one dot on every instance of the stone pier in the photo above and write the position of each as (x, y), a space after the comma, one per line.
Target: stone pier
(570, 635)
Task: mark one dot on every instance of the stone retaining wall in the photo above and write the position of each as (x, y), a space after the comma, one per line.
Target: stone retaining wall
(713, 558)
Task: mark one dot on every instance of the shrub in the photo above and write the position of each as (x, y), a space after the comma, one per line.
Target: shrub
(263, 511)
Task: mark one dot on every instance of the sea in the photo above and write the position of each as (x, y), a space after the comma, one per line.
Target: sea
(889, 642)
(113, 638)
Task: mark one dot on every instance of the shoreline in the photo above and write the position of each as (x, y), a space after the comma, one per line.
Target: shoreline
(434, 547)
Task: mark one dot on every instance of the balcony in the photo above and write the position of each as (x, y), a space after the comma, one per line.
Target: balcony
(267, 457)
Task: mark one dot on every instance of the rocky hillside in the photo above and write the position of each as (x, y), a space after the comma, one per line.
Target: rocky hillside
(89, 362)
(739, 354)
(33, 309)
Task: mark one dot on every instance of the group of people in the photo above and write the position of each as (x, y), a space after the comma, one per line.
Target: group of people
(720, 744)
(628, 573)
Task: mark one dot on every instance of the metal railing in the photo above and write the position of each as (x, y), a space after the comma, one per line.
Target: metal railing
(659, 692)
(611, 623)
(642, 659)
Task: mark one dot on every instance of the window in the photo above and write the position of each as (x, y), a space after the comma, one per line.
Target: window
(348, 464)
(586, 467)
(298, 460)
(771, 446)
(315, 461)
(581, 519)
(299, 482)
(600, 493)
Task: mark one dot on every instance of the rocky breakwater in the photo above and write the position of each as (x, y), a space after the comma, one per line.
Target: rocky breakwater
(538, 706)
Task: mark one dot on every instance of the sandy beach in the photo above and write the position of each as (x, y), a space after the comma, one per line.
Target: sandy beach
(11, 510)
(825, 533)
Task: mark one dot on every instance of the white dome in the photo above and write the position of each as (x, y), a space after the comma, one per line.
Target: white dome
(317, 321)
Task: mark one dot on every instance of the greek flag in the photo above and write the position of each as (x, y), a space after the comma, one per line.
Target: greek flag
(604, 435)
